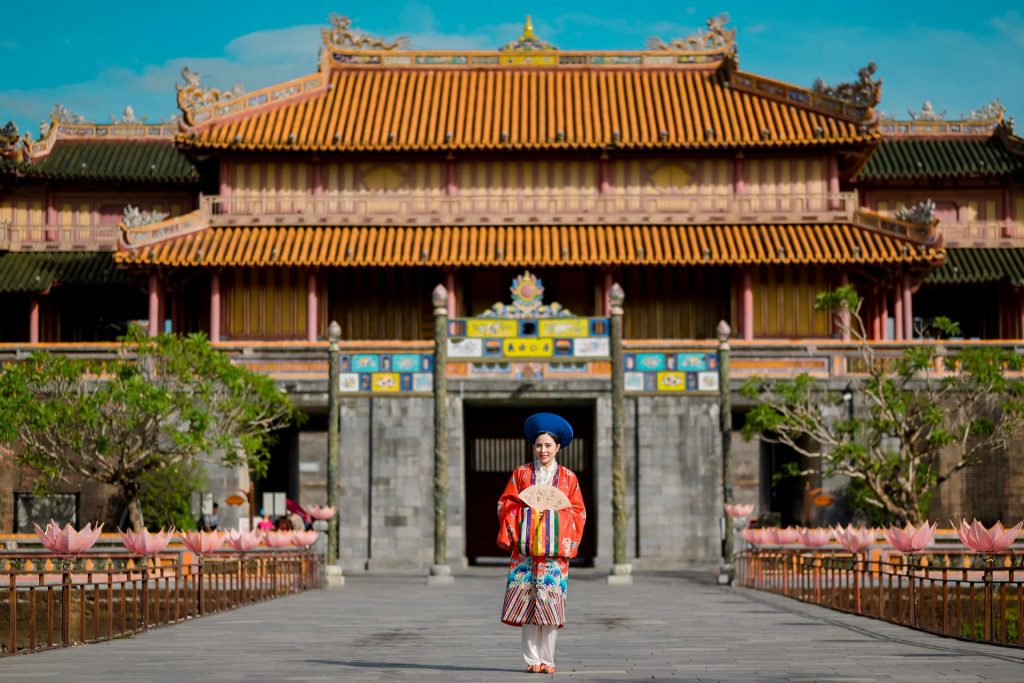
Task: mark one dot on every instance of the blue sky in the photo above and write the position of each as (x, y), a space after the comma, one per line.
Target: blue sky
(96, 57)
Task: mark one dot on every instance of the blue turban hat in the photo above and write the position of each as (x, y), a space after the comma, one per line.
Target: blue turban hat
(548, 423)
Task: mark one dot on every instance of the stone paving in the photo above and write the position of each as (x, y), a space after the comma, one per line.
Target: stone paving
(666, 627)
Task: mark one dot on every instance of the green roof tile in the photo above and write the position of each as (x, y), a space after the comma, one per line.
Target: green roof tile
(36, 272)
(975, 265)
(127, 160)
(940, 159)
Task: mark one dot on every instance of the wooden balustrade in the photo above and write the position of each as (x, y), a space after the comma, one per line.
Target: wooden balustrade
(564, 207)
(951, 592)
(46, 602)
(58, 237)
(982, 233)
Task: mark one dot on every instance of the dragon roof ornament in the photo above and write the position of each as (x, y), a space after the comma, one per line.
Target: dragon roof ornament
(127, 118)
(927, 113)
(865, 91)
(528, 41)
(341, 36)
(12, 145)
(193, 94)
(992, 110)
(717, 37)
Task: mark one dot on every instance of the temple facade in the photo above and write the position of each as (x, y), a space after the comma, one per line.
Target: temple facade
(529, 183)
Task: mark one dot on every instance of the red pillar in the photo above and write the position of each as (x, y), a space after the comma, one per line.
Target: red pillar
(451, 176)
(215, 307)
(225, 185)
(312, 307)
(154, 305)
(51, 207)
(607, 291)
(833, 180)
(604, 179)
(748, 306)
(33, 320)
(908, 309)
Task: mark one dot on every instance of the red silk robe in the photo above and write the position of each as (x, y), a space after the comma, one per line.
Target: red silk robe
(541, 543)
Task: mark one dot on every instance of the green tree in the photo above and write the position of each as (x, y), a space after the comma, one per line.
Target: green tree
(914, 412)
(161, 401)
(166, 495)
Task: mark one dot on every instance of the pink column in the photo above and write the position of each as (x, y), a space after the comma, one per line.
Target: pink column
(875, 313)
(451, 176)
(883, 314)
(833, 179)
(317, 178)
(748, 306)
(908, 309)
(225, 184)
(739, 175)
(215, 307)
(449, 283)
(897, 311)
(51, 207)
(33, 320)
(154, 305)
(604, 181)
(844, 316)
(312, 307)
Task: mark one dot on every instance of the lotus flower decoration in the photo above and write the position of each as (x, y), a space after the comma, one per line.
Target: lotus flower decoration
(854, 539)
(910, 539)
(322, 512)
(787, 536)
(814, 538)
(758, 536)
(304, 539)
(244, 541)
(146, 544)
(68, 543)
(277, 539)
(738, 510)
(981, 540)
(203, 542)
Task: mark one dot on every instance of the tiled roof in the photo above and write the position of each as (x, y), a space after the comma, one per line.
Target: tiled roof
(126, 160)
(940, 158)
(438, 109)
(970, 266)
(531, 246)
(37, 272)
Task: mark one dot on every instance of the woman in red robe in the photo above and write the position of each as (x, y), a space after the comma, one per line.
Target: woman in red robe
(541, 541)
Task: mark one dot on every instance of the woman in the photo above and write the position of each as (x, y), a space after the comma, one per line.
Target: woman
(541, 542)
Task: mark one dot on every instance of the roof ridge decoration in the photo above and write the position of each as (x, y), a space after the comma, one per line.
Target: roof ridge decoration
(341, 36)
(865, 91)
(716, 38)
(65, 124)
(528, 41)
(12, 143)
(983, 121)
(527, 301)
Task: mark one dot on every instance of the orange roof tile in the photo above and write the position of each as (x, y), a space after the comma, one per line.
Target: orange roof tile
(662, 245)
(395, 109)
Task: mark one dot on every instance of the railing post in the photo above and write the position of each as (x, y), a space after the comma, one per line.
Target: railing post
(726, 572)
(621, 572)
(333, 436)
(440, 572)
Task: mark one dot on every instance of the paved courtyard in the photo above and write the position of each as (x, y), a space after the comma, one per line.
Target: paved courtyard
(667, 627)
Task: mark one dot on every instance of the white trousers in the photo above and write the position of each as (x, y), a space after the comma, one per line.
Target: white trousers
(539, 644)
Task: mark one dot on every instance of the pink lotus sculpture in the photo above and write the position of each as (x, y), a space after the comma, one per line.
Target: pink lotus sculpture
(910, 539)
(994, 540)
(66, 542)
(753, 536)
(203, 542)
(244, 541)
(322, 512)
(787, 536)
(304, 539)
(814, 538)
(146, 544)
(854, 539)
(277, 539)
(738, 510)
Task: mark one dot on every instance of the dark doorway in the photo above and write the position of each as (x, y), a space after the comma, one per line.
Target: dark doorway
(788, 480)
(495, 446)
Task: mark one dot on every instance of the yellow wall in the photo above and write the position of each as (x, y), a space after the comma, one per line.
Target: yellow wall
(784, 302)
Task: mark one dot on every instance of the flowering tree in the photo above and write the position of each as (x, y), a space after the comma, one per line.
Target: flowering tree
(162, 401)
(913, 414)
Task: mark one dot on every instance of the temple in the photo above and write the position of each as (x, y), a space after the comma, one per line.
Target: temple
(528, 181)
